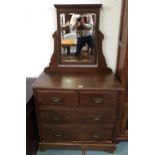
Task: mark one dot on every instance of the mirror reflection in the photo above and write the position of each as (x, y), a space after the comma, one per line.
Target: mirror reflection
(77, 37)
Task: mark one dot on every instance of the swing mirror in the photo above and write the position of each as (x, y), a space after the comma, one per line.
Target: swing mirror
(77, 34)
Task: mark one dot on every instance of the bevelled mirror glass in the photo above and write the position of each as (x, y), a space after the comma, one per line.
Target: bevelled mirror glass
(77, 37)
(77, 33)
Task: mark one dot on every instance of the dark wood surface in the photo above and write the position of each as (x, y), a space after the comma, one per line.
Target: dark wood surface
(102, 145)
(98, 98)
(60, 133)
(76, 81)
(87, 113)
(122, 67)
(57, 98)
(31, 125)
(77, 6)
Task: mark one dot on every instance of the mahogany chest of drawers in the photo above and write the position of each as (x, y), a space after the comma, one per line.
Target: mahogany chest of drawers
(78, 111)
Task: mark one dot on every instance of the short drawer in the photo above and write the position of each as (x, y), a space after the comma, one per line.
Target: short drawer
(79, 115)
(57, 98)
(76, 133)
(98, 98)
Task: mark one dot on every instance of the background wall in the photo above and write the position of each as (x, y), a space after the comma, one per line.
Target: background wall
(41, 22)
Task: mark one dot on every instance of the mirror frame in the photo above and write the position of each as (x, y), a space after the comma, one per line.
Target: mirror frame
(100, 66)
(78, 8)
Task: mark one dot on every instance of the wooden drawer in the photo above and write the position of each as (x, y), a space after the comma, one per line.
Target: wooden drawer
(78, 115)
(57, 98)
(76, 133)
(98, 98)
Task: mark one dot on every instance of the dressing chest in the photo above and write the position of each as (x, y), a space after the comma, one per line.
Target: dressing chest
(78, 107)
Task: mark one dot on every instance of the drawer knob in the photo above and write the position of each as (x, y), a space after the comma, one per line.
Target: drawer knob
(55, 100)
(98, 99)
(96, 135)
(97, 118)
(58, 135)
(56, 118)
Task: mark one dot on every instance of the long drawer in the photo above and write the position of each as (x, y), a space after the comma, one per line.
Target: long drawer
(98, 98)
(77, 115)
(57, 98)
(76, 133)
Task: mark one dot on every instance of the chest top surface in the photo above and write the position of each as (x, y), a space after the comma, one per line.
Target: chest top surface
(76, 81)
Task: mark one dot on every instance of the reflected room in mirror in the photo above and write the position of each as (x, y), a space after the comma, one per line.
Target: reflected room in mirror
(77, 34)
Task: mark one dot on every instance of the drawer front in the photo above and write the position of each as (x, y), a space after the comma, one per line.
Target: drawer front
(71, 116)
(57, 98)
(76, 133)
(94, 98)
